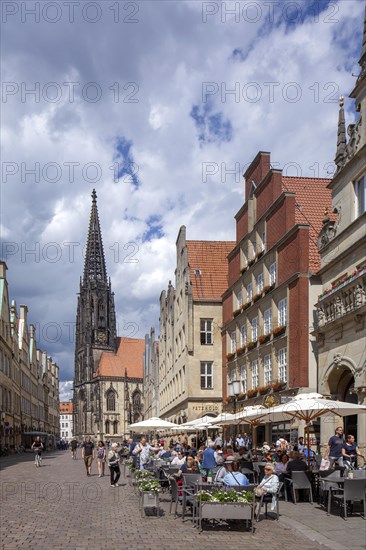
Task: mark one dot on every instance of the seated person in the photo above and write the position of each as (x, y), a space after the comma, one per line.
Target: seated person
(269, 486)
(221, 472)
(233, 477)
(179, 459)
(297, 464)
(191, 466)
(281, 467)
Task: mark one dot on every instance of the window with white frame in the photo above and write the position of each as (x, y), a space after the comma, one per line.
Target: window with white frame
(243, 335)
(282, 312)
(254, 244)
(207, 375)
(243, 379)
(260, 283)
(267, 369)
(239, 298)
(206, 332)
(249, 292)
(232, 342)
(267, 321)
(255, 374)
(254, 326)
(360, 189)
(272, 273)
(282, 365)
(245, 258)
(231, 375)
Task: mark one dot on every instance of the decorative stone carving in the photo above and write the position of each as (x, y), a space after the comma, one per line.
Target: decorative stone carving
(327, 232)
(337, 358)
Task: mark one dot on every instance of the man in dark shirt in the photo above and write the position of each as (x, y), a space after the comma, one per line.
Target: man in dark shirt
(335, 446)
(297, 464)
(87, 453)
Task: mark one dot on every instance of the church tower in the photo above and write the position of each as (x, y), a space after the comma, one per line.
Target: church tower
(95, 326)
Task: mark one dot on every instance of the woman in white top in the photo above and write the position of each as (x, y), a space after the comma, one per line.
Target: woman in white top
(179, 459)
(270, 483)
(281, 467)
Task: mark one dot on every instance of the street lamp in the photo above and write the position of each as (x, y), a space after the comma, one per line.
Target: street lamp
(234, 390)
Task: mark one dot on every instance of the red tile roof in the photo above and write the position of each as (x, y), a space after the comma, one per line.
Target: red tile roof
(65, 407)
(129, 357)
(312, 197)
(210, 257)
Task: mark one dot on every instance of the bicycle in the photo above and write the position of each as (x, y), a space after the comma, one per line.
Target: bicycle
(37, 458)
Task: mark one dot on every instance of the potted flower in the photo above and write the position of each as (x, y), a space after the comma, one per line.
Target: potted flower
(256, 297)
(277, 386)
(225, 505)
(263, 338)
(230, 356)
(251, 393)
(266, 289)
(245, 306)
(278, 331)
(241, 350)
(149, 493)
(251, 345)
(263, 389)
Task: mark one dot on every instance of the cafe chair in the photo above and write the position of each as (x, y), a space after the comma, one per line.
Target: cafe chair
(240, 488)
(267, 499)
(354, 490)
(190, 485)
(299, 480)
(175, 497)
(357, 474)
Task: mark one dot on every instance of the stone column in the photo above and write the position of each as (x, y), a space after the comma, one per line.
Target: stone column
(361, 420)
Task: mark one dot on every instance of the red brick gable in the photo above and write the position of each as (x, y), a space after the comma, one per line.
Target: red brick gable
(210, 257)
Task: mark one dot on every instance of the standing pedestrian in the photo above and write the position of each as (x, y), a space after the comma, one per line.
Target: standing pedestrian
(101, 456)
(74, 446)
(113, 463)
(87, 453)
(334, 449)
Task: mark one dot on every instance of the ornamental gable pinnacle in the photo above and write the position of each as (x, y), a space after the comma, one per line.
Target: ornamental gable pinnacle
(94, 268)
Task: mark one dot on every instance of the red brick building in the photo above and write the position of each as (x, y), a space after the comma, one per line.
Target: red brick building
(268, 307)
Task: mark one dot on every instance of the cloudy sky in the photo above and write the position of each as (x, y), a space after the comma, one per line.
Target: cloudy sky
(159, 106)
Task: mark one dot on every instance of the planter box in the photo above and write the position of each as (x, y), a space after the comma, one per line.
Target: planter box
(149, 500)
(227, 510)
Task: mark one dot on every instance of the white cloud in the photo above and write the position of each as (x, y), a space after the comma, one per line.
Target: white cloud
(167, 57)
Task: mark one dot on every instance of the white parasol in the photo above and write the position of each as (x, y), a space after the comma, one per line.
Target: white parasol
(152, 424)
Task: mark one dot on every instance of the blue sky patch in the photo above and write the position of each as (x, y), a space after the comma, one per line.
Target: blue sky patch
(212, 127)
(155, 229)
(125, 169)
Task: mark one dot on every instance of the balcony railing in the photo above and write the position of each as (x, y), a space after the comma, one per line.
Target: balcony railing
(349, 298)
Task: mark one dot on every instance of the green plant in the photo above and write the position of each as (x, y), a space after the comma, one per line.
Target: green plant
(149, 485)
(251, 345)
(264, 338)
(241, 350)
(142, 474)
(225, 496)
(245, 306)
(279, 330)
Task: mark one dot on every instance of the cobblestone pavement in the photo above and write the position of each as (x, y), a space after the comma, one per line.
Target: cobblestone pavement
(57, 506)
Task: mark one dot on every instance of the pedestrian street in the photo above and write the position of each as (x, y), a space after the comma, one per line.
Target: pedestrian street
(58, 506)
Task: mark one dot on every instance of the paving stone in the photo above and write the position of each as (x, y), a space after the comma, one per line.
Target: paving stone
(57, 506)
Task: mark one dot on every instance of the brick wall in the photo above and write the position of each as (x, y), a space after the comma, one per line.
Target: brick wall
(242, 224)
(234, 267)
(268, 193)
(298, 337)
(257, 171)
(227, 309)
(293, 255)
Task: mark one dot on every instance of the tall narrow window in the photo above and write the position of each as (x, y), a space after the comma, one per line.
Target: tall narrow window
(282, 365)
(267, 321)
(107, 427)
(249, 292)
(263, 237)
(260, 283)
(243, 335)
(111, 401)
(206, 332)
(267, 369)
(255, 374)
(360, 189)
(239, 299)
(233, 342)
(254, 326)
(243, 379)
(206, 376)
(282, 312)
(272, 273)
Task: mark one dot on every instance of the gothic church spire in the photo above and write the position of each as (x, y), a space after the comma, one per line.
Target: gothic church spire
(94, 268)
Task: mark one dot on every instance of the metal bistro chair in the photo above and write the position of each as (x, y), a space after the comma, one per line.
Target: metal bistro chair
(191, 483)
(299, 480)
(175, 497)
(250, 474)
(354, 490)
(240, 488)
(267, 499)
(326, 485)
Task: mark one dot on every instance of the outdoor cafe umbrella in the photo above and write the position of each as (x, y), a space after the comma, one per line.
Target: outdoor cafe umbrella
(152, 424)
(222, 418)
(308, 407)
